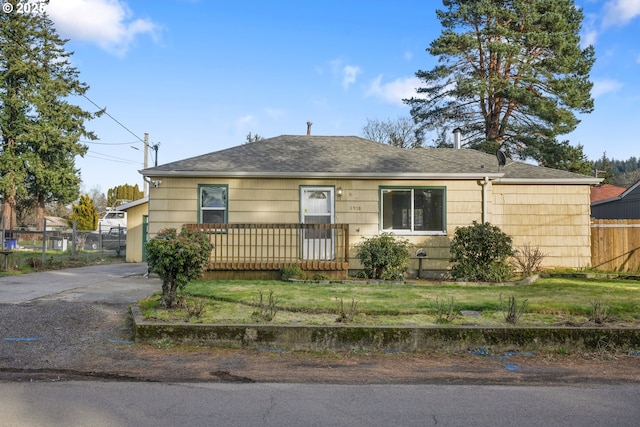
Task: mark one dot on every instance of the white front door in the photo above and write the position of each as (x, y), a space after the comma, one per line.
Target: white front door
(316, 207)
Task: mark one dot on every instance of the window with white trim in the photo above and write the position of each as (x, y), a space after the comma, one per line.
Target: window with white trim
(419, 210)
(212, 202)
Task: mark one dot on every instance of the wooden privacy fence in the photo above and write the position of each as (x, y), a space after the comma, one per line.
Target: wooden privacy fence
(260, 247)
(615, 244)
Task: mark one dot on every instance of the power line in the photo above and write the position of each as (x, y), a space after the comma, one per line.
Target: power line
(107, 143)
(109, 158)
(104, 111)
(100, 109)
(126, 162)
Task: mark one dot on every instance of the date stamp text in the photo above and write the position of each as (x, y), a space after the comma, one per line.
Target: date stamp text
(23, 7)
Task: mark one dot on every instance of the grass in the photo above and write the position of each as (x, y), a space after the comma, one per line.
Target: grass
(29, 261)
(550, 301)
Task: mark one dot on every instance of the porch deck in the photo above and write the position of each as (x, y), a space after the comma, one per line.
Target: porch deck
(262, 250)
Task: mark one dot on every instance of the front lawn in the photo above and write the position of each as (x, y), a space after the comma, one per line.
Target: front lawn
(547, 302)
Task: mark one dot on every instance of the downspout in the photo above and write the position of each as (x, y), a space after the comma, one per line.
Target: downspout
(485, 182)
(147, 184)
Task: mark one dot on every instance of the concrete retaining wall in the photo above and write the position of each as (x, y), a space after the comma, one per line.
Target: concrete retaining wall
(364, 338)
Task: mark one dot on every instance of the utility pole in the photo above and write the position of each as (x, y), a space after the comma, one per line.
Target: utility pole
(146, 161)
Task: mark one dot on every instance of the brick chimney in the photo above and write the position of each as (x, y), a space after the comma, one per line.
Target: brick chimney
(309, 128)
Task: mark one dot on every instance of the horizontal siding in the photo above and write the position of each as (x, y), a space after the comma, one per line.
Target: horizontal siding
(554, 218)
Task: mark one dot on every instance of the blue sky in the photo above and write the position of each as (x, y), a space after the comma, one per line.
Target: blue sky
(199, 76)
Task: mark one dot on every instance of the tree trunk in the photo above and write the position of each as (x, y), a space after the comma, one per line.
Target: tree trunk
(40, 212)
(165, 293)
(169, 293)
(9, 211)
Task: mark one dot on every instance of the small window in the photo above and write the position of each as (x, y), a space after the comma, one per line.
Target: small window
(213, 204)
(419, 210)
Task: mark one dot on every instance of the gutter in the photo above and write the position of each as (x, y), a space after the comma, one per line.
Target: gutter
(550, 181)
(324, 175)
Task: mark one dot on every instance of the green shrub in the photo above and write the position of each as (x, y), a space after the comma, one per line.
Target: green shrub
(293, 271)
(85, 214)
(480, 252)
(383, 257)
(177, 259)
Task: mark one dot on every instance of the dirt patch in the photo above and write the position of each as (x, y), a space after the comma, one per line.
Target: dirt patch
(55, 340)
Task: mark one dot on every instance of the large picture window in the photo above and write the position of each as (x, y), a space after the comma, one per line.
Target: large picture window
(212, 200)
(419, 210)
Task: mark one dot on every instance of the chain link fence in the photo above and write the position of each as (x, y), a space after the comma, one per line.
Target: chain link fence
(39, 247)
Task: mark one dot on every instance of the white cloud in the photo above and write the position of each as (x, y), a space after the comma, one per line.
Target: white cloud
(620, 12)
(395, 91)
(408, 55)
(107, 23)
(347, 73)
(589, 32)
(274, 113)
(601, 87)
(588, 38)
(244, 122)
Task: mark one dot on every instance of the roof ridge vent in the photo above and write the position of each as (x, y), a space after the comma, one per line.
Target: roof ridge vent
(309, 128)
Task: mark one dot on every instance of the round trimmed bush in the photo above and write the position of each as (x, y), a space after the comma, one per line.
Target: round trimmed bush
(479, 252)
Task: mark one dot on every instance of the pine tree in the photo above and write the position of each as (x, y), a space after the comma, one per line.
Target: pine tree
(564, 156)
(40, 128)
(511, 73)
(84, 214)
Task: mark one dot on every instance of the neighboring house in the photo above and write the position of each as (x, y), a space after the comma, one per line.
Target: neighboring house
(264, 188)
(610, 202)
(137, 212)
(605, 191)
(55, 223)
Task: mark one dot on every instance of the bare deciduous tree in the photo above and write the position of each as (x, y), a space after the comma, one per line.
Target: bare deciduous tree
(400, 132)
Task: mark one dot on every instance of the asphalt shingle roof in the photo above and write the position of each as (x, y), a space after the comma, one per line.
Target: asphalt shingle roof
(350, 156)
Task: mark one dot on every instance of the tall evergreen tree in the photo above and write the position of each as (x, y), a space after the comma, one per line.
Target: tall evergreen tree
(510, 72)
(123, 194)
(564, 156)
(40, 128)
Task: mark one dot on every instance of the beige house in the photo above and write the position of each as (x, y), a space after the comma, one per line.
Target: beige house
(310, 199)
(137, 214)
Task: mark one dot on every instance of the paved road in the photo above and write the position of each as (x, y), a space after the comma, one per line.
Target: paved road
(101, 283)
(92, 403)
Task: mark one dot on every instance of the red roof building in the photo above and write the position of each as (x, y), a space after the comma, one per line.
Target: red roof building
(605, 191)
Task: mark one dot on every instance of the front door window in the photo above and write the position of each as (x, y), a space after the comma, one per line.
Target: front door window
(317, 205)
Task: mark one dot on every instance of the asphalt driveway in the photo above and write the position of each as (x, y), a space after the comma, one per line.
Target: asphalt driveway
(113, 283)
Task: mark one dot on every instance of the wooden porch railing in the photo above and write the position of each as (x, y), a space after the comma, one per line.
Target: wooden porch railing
(247, 247)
